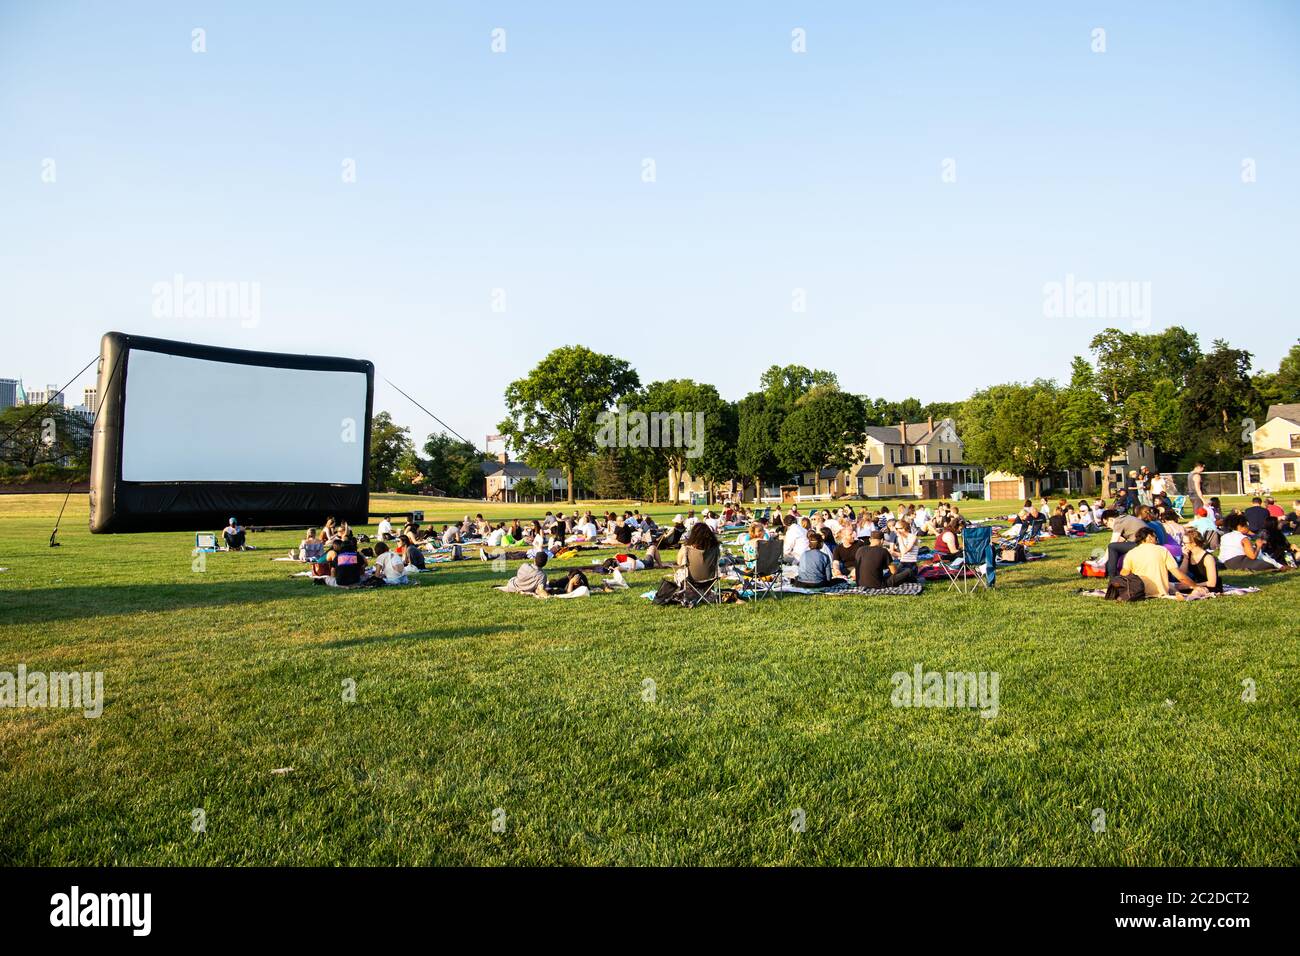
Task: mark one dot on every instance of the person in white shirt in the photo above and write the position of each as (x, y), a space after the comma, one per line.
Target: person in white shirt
(389, 565)
(921, 521)
(1157, 486)
(793, 534)
(384, 530)
(497, 537)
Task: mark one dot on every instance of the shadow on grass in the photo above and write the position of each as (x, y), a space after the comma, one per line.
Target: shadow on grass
(40, 605)
(442, 634)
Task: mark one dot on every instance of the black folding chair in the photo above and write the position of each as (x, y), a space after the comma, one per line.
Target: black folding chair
(764, 580)
(694, 593)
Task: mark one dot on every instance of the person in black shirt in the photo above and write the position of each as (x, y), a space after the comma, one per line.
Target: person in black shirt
(873, 566)
(844, 559)
(1057, 523)
(1256, 516)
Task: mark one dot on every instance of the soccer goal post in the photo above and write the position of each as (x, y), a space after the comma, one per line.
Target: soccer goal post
(1213, 483)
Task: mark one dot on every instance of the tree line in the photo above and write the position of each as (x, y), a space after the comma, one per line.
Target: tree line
(1161, 388)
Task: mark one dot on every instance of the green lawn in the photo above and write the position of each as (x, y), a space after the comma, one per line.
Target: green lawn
(468, 700)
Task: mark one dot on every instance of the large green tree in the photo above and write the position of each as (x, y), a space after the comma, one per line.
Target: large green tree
(698, 441)
(1014, 428)
(453, 466)
(1217, 406)
(824, 430)
(50, 435)
(1283, 386)
(389, 442)
(552, 411)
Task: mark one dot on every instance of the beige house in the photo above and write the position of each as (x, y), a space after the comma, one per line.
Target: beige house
(1274, 460)
(907, 460)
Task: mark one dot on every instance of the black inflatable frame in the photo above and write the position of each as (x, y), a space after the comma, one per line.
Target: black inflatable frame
(118, 506)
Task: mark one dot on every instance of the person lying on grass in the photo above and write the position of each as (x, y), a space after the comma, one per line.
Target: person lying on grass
(1153, 563)
(530, 578)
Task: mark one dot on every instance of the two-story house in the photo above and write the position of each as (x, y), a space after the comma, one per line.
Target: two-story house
(1274, 460)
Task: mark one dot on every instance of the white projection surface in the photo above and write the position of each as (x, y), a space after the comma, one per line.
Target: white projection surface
(189, 419)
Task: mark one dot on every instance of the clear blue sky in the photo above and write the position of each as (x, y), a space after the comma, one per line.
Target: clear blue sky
(522, 171)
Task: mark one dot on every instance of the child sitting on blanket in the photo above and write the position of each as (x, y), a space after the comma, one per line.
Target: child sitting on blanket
(389, 565)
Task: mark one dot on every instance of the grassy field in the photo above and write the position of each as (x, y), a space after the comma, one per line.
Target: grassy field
(469, 701)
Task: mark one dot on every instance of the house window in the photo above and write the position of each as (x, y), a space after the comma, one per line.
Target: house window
(905, 481)
(1295, 441)
(891, 456)
(917, 453)
(891, 477)
(1253, 476)
(1288, 473)
(862, 486)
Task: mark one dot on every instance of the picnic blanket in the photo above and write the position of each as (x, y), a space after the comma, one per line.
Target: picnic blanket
(911, 589)
(1229, 590)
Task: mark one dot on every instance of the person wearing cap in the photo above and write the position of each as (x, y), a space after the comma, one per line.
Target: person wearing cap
(234, 535)
(1204, 524)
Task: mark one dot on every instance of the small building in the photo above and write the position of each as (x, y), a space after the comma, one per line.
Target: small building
(501, 475)
(1274, 460)
(1089, 482)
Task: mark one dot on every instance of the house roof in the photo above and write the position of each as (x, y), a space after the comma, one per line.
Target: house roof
(917, 434)
(868, 471)
(1290, 412)
(1275, 453)
(516, 469)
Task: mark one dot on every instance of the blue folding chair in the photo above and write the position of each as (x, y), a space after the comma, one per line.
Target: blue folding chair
(977, 556)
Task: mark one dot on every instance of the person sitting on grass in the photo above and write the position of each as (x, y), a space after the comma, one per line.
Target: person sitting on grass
(1208, 530)
(907, 544)
(844, 559)
(945, 542)
(698, 556)
(384, 530)
(234, 535)
(1124, 530)
(1238, 550)
(411, 552)
(453, 538)
(1290, 522)
(530, 578)
(1153, 564)
(874, 566)
(347, 566)
(1275, 545)
(1256, 515)
(389, 565)
(1199, 562)
(311, 548)
(815, 565)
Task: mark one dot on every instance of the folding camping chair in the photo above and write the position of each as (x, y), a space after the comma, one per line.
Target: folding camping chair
(205, 541)
(977, 556)
(694, 593)
(1178, 502)
(765, 579)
